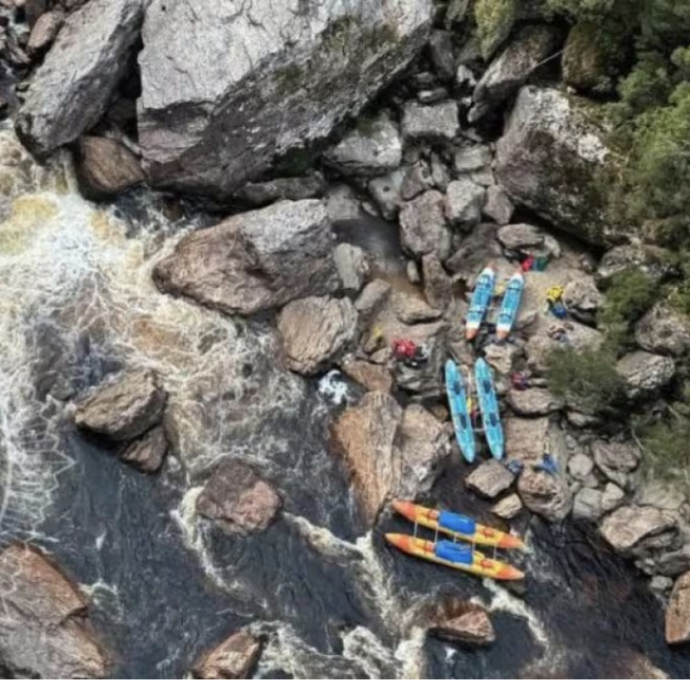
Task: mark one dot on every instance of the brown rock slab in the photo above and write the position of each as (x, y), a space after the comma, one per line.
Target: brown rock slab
(147, 453)
(678, 612)
(233, 659)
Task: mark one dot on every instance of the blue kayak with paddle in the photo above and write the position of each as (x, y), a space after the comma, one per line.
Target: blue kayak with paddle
(488, 405)
(457, 401)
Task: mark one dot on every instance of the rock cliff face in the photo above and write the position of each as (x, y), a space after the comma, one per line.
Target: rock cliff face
(228, 87)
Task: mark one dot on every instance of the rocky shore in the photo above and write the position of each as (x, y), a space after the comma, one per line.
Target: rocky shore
(317, 121)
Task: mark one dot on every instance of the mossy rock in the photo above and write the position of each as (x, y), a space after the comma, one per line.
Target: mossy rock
(495, 20)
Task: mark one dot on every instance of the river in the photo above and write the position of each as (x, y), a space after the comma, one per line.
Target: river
(77, 302)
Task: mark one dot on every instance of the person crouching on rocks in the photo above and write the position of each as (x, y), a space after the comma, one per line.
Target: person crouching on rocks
(409, 353)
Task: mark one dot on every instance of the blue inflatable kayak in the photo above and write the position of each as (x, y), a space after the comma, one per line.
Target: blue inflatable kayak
(510, 305)
(488, 405)
(481, 299)
(457, 401)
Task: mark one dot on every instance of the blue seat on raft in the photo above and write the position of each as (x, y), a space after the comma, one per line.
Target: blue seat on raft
(457, 523)
(454, 553)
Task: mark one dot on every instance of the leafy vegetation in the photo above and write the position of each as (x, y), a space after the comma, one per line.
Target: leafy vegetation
(587, 380)
(495, 19)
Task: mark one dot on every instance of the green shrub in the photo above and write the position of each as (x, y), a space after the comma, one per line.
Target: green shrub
(587, 380)
(495, 20)
(665, 448)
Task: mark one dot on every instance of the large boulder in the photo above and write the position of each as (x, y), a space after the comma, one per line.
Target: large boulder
(545, 494)
(588, 505)
(645, 374)
(390, 453)
(374, 148)
(315, 331)
(490, 479)
(630, 527)
(423, 228)
(655, 262)
(228, 87)
(550, 159)
(583, 299)
(508, 72)
(105, 168)
(473, 627)
(92, 48)
(238, 499)
(617, 461)
(353, 267)
(464, 202)
(533, 402)
(148, 452)
(678, 612)
(254, 261)
(124, 407)
(44, 629)
(662, 331)
(410, 309)
(233, 659)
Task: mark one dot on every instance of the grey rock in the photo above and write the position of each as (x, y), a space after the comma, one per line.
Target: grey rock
(498, 205)
(254, 261)
(372, 297)
(373, 377)
(655, 262)
(124, 407)
(539, 347)
(475, 252)
(264, 82)
(644, 374)
(105, 168)
(463, 203)
(544, 494)
(533, 402)
(673, 563)
(315, 331)
(580, 466)
(423, 228)
(490, 479)
(616, 461)
(442, 53)
(387, 193)
(372, 150)
(457, 11)
(352, 265)
(613, 497)
(629, 527)
(412, 271)
(342, 204)
(432, 96)
(310, 186)
(662, 495)
(93, 48)
(509, 71)
(582, 299)
(410, 309)
(233, 659)
(502, 357)
(430, 122)
(470, 159)
(424, 381)
(238, 500)
(521, 236)
(45, 631)
(508, 507)
(548, 142)
(660, 585)
(588, 505)
(417, 180)
(464, 77)
(663, 331)
(438, 287)
(439, 173)
(147, 453)
(44, 31)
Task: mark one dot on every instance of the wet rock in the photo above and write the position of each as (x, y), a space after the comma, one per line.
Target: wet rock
(93, 47)
(105, 168)
(533, 402)
(374, 148)
(464, 202)
(549, 160)
(387, 193)
(629, 527)
(389, 453)
(410, 309)
(254, 261)
(298, 188)
(588, 505)
(616, 460)
(498, 205)
(373, 377)
(644, 374)
(509, 71)
(473, 627)
(417, 180)
(662, 331)
(233, 659)
(238, 500)
(147, 453)
(521, 236)
(315, 331)
(209, 125)
(678, 612)
(123, 407)
(430, 122)
(372, 298)
(613, 497)
(490, 479)
(442, 53)
(508, 507)
(583, 299)
(44, 629)
(352, 265)
(44, 31)
(423, 228)
(438, 287)
(545, 494)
